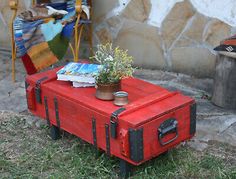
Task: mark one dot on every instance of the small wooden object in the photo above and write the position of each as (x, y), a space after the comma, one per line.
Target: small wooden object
(224, 94)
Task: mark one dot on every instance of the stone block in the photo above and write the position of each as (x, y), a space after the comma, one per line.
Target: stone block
(193, 61)
(196, 29)
(143, 42)
(176, 21)
(137, 10)
(114, 21)
(104, 36)
(114, 25)
(215, 32)
(101, 8)
(185, 42)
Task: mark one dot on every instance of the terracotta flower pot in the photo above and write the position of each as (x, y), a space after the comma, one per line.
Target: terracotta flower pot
(105, 91)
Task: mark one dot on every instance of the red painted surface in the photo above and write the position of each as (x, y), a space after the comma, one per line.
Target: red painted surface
(149, 106)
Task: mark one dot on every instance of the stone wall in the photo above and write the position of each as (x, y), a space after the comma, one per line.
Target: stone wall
(174, 35)
(5, 20)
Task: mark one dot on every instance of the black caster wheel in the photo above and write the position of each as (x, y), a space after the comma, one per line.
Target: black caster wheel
(55, 133)
(125, 169)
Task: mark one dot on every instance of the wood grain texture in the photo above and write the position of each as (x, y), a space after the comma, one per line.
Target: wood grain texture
(224, 94)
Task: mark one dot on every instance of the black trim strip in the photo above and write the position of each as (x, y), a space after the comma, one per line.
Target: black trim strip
(46, 110)
(57, 113)
(94, 132)
(107, 140)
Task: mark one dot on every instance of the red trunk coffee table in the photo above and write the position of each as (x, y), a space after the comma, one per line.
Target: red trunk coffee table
(154, 121)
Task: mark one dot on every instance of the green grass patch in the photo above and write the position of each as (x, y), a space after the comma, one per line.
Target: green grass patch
(28, 152)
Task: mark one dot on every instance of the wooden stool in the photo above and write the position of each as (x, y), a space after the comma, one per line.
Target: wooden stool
(224, 94)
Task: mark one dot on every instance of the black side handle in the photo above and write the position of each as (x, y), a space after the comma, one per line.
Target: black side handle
(167, 127)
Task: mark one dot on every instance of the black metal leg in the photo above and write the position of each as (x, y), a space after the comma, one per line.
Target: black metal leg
(55, 133)
(125, 169)
(98, 152)
(165, 153)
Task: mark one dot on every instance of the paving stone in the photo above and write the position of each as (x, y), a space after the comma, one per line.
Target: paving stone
(206, 107)
(19, 92)
(216, 124)
(13, 103)
(229, 135)
(197, 145)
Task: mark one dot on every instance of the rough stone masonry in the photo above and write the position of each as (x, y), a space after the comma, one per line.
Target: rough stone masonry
(173, 35)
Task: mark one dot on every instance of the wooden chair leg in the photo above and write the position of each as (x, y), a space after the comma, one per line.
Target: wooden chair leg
(72, 50)
(13, 53)
(91, 28)
(13, 5)
(76, 58)
(78, 42)
(91, 40)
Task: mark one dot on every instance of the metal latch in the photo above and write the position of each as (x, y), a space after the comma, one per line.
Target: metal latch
(38, 89)
(114, 122)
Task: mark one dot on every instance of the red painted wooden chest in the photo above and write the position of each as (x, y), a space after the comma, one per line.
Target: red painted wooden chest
(154, 121)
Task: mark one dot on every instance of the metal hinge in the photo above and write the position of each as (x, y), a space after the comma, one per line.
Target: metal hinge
(38, 89)
(114, 122)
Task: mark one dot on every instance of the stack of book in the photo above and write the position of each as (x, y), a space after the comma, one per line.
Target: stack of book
(80, 74)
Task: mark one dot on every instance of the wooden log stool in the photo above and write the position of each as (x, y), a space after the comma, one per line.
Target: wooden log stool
(224, 93)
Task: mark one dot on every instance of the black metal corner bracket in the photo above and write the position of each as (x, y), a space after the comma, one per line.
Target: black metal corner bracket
(136, 144)
(193, 117)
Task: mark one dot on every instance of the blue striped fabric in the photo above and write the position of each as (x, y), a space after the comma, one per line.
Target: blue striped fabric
(28, 33)
(23, 32)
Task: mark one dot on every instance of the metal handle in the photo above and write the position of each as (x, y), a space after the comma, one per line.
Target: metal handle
(167, 127)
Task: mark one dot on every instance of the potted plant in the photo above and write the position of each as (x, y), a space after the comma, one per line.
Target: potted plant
(116, 65)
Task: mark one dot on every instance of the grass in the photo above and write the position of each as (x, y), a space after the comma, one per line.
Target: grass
(28, 152)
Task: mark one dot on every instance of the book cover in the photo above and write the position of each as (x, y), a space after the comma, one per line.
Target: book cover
(78, 72)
